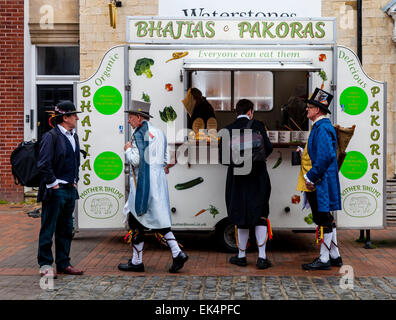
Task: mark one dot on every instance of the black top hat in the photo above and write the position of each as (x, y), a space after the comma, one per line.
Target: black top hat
(320, 99)
(65, 108)
(140, 107)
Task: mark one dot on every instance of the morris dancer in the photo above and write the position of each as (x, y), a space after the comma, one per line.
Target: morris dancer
(320, 181)
(148, 203)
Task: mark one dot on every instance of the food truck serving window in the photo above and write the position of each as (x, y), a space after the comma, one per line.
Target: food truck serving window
(223, 88)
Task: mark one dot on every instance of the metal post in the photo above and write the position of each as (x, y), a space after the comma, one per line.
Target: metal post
(361, 237)
(368, 244)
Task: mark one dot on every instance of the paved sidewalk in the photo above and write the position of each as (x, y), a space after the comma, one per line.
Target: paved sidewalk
(188, 287)
(207, 274)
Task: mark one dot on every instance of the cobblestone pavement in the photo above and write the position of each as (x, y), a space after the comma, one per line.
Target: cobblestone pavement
(207, 274)
(196, 288)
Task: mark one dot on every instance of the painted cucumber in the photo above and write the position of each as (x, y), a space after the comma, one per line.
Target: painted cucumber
(189, 184)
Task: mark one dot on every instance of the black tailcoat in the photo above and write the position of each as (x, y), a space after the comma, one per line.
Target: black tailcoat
(247, 196)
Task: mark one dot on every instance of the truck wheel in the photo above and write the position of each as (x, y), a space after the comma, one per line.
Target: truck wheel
(225, 236)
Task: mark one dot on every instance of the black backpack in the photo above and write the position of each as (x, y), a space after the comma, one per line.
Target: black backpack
(24, 162)
(239, 144)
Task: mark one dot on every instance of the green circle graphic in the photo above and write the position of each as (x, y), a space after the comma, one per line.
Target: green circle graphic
(107, 100)
(355, 165)
(108, 165)
(353, 100)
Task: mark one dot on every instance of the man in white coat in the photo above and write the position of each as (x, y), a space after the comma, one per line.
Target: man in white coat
(148, 202)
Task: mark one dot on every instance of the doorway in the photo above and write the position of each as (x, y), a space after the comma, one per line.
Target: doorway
(48, 96)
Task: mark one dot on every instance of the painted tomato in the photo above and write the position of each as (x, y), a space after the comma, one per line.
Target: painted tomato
(322, 57)
(295, 199)
(168, 87)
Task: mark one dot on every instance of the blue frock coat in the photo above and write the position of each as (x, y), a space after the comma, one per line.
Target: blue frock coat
(322, 149)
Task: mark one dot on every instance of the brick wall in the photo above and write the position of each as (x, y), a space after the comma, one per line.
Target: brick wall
(11, 92)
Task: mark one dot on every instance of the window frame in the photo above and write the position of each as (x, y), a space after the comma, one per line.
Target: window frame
(232, 84)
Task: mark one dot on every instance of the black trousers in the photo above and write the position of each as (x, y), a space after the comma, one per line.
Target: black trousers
(136, 225)
(57, 219)
(322, 219)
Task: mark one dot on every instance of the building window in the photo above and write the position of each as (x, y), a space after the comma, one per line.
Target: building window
(58, 61)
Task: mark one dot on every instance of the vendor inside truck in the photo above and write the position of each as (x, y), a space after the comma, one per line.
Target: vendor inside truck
(200, 112)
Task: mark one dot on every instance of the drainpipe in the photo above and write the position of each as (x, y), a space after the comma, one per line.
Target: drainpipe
(359, 30)
(368, 244)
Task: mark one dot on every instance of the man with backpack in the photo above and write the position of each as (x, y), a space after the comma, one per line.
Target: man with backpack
(58, 163)
(247, 196)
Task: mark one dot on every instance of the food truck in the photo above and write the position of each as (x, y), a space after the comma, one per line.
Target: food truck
(275, 63)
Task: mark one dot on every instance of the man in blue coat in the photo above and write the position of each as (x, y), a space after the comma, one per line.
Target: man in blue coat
(322, 178)
(58, 163)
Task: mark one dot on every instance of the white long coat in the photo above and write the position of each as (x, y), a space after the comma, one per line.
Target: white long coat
(158, 215)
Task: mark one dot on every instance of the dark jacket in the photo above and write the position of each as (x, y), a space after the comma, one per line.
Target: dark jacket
(322, 149)
(202, 110)
(247, 196)
(51, 160)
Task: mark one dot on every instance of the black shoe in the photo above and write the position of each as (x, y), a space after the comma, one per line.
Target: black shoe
(178, 262)
(337, 262)
(317, 265)
(238, 261)
(131, 267)
(263, 263)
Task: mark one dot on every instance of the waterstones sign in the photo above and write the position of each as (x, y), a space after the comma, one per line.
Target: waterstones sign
(240, 9)
(157, 30)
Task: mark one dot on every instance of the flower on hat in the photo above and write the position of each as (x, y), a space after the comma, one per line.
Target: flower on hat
(60, 111)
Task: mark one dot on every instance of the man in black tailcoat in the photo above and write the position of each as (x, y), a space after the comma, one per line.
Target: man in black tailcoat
(247, 196)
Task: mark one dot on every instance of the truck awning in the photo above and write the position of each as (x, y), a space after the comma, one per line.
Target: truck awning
(250, 65)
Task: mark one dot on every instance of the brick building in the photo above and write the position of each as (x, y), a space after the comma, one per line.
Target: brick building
(11, 91)
(47, 45)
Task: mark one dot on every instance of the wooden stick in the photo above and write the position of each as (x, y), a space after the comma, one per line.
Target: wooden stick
(295, 124)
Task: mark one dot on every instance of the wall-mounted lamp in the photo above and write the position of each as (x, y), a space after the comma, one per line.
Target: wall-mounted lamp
(113, 5)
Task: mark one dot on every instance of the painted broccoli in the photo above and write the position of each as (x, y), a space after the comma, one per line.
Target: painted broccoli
(145, 97)
(143, 66)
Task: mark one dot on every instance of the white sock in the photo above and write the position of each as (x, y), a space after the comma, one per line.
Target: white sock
(172, 243)
(137, 255)
(243, 237)
(324, 251)
(261, 235)
(334, 253)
